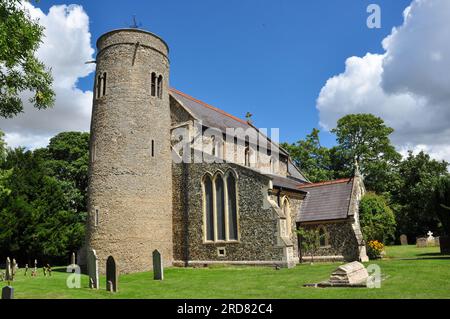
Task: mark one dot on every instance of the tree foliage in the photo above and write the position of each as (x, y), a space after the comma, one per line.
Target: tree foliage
(20, 70)
(376, 218)
(442, 203)
(43, 214)
(364, 138)
(311, 157)
(414, 196)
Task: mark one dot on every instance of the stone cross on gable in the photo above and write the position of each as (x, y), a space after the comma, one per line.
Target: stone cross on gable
(430, 234)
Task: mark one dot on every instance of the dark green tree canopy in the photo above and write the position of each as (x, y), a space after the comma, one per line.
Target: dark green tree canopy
(376, 218)
(20, 70)
(311, 157)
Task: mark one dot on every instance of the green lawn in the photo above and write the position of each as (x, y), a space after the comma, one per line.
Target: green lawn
(408, 272)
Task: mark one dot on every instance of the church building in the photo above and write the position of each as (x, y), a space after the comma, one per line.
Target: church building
(171, 173)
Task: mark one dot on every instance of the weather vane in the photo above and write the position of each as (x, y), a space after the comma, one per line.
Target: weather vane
(135, 24)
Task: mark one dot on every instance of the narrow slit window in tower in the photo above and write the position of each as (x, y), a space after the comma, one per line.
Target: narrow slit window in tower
(160, 86)
(153, 88)
(104, 85)
(153, 148)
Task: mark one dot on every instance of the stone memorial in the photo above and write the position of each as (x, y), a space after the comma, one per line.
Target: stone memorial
(92, 263)
(73, 259)
(353, 274)
(158, 267)
(13, 269)
(403, 240)
(430, 239)
(111, 275)
(8, 292)
(421, 242)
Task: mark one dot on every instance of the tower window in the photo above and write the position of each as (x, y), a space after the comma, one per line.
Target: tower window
(96, 217)
(159, 87)
(104, 84)
(153, 148)
(153, 85)
(99, 86)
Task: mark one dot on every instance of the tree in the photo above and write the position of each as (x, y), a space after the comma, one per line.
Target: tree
(310, 241)
(442, 203)
(376, 218)
(43, 215)
(414, 195)
(364, 138)
(20, 70)
(311, 157)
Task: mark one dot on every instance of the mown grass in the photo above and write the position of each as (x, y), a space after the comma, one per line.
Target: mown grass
(408, 272)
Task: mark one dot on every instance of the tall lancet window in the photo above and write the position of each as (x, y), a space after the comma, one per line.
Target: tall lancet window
(153, 85)
(159, 86)
(209, 210)
(104, 84)
(220, 207)
(232, 209)
(99, 86)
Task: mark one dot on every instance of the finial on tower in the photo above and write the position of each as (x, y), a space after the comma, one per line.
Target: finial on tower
(135, 25)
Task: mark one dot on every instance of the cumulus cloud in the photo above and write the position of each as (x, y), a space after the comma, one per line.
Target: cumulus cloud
(408, 85)
(65, 49)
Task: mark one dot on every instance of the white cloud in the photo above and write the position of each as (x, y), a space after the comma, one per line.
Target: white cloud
(65, 49)
(408, 86)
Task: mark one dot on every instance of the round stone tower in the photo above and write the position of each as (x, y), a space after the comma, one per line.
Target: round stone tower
(130, 178)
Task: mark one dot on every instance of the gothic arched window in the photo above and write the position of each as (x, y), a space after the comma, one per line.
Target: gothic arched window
(153, 85)
(323, 236)
(209, 210)
(232, 208)
(220, 207)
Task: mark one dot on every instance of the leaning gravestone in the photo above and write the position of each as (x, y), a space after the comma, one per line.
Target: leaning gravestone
(158, 268)
(8, 292)
(403, 240)
(93, 269)
(421, 242)
(111, 275)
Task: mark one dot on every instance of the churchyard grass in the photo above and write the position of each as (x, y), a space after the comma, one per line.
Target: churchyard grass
(408, 272)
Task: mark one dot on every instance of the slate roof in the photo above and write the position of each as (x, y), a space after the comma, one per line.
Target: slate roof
(216, 118)
(326, 200)
(286, 182)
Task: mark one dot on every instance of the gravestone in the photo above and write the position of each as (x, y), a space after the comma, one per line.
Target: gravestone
(158, 268)
(8, 292)
(421, 242)
(73, 259)
(111, 275)
(403, 240)
(13, 269)
(353, 273)
(430, 239)
(8, 272)
(93, 269)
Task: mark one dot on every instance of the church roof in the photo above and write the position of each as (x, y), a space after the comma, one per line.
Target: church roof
(285, 182)
(326, 200)
(216, 118)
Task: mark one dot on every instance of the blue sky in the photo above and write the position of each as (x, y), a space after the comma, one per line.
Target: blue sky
(270, 58)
